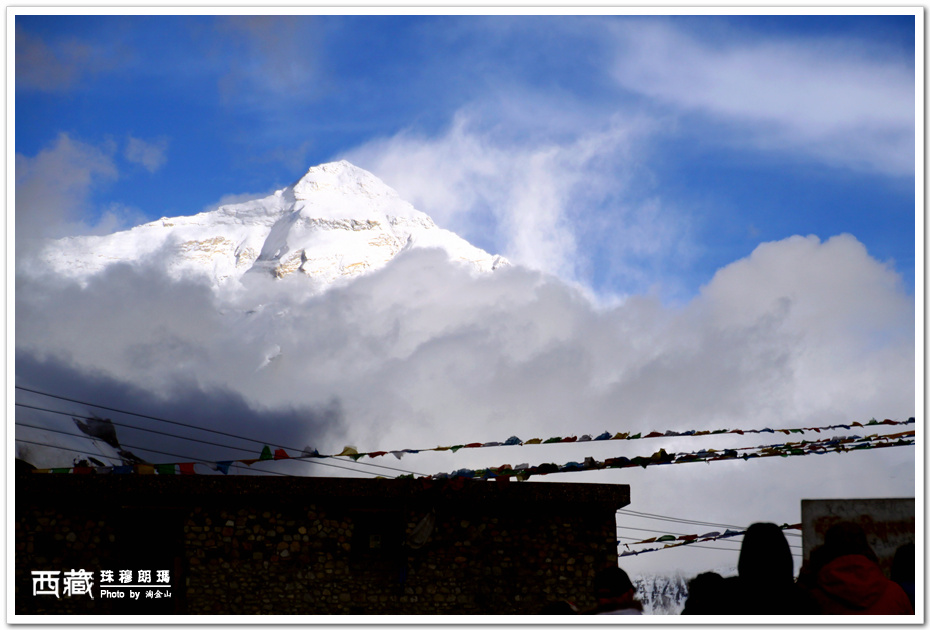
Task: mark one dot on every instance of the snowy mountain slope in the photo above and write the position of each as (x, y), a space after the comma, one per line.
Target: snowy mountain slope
(337, 221)
(666, 593)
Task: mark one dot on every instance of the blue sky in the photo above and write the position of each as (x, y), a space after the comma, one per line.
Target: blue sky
(705, 135)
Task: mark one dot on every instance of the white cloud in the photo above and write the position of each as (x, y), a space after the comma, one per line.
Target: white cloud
(275, 59)
(541, 202)
(55, 66)
(149, 154)
(833, 100)
(422, 353)
(424, 341)
(52, 187)
(841, 303)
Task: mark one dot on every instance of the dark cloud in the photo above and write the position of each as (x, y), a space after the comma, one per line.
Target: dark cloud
(186, 409)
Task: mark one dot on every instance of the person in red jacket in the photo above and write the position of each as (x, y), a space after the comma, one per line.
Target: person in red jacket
(845, 579)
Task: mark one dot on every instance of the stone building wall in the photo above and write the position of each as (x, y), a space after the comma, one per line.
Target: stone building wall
(319, 546)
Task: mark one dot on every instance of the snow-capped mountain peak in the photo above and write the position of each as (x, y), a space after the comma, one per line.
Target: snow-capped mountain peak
(341, 179)
(336, 221)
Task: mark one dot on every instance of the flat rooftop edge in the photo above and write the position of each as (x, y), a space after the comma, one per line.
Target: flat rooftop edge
(182, 490)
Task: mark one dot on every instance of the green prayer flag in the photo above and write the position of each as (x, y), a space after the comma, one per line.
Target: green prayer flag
(165, 469)
(266, 453)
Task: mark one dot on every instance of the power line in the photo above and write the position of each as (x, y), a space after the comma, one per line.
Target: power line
(656, 531)
(74, 450)
(146, 449)
(635, 541)
(672, 519)
(238, 448)
(88, 437)
(514, 441)
(141, 415)
(660, 517)
(796, 555)
(190, 426)
(121, 424)
(145, 416)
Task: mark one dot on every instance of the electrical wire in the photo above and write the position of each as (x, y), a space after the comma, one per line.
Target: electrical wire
(185, 458)
(660, 517)
(74, 450)
(121, 424)
(236, 465)
(584, 441)
(796, 555)
(672, 519)
(190, 426)
(239, 448)
(195, 459)
(655, 531)
(635, 541)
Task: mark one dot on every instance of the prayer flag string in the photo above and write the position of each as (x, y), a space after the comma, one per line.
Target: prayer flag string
(661, 457)
(524, 471)
(355, 454)
(688, 540)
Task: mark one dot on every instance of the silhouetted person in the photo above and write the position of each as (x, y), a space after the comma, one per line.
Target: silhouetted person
(706, 595)
(765, 585)
(615, 593)
(845, 579)
(903, 571)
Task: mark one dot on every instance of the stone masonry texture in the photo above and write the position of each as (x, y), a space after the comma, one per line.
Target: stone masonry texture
(312, 546)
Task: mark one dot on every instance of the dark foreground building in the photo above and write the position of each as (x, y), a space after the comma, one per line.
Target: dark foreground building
(164, 545)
